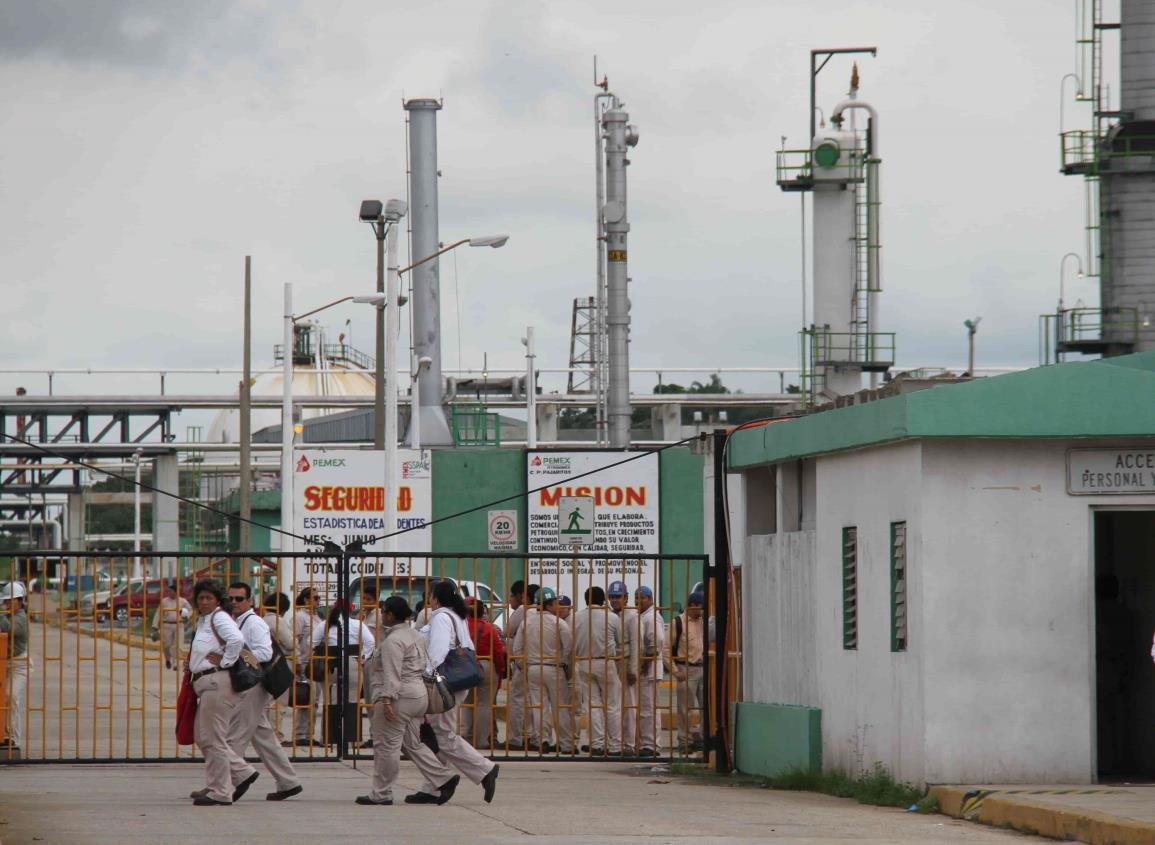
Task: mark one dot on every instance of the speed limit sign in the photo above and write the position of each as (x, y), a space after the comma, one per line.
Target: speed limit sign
(503, 531)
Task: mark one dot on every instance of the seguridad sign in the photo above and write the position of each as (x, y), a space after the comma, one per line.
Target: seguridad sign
(626, 507)
(339, 496)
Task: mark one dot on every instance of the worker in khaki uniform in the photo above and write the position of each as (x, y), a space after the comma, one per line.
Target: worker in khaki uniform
(169, 620)
(516, 693)
(305, 713)
(597, 642)
(628, 665)
(249, 722)
(545, 643)
(14, 623)
(399, 699)
(683, 658)
(280, 624)
(651, 640)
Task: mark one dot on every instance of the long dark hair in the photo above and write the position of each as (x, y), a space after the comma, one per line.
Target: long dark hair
(447, 596)
(397, 607)
(211, 587)
(340, 609)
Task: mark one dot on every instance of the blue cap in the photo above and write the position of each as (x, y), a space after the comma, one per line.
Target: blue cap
(617, 588)
(565, 601)
(697, 597)
(645, 591)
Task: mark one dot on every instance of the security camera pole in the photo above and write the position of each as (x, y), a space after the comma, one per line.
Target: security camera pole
(972, 328)
(394, 210)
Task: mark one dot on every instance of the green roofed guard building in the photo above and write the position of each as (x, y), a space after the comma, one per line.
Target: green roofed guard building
(958, 583)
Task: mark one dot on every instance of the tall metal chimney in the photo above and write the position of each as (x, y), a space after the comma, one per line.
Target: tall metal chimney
(619, 136)
(426, 278)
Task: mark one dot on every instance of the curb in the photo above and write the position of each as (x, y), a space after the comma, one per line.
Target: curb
(113, 636)
(1003, 808)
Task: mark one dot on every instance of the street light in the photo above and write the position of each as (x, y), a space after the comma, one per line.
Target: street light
(287, 426)
(431, 372)
(1062, 268)
(972, 327)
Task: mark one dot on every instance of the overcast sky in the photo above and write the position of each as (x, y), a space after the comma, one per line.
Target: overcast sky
(150, 144)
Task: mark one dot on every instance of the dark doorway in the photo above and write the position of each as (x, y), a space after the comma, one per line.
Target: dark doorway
(1124, 622)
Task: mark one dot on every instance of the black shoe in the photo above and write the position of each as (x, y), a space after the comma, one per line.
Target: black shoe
(282, 794)
(421, 798)
(367, 743)
(597, 752)
(368, 799)
(205, 801)
(547, 748)
(613, 754)
(167, 665)
(199, 793)
(647, 752)
(447, 789)
(585, 748)
(243, 787)
(489, 783)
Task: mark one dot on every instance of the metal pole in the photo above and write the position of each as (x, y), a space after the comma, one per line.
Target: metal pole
(971, 351)
(530, 391)
(379, 378)
(135, 515)
(394, 210)
(246, 483)
(722, 600)
(600, 314)
(415, 403)
(287, 430)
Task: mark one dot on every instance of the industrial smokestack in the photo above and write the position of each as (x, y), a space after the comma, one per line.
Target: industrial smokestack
(426, 282)
(619, 136)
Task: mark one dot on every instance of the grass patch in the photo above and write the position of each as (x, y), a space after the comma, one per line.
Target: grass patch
(876, 786)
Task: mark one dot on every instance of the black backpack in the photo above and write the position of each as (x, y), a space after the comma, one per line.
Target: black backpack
(278, 673)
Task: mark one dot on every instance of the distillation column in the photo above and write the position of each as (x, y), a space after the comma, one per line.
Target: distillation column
(619, 137)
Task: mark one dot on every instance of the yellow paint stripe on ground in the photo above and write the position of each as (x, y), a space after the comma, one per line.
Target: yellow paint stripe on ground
(1011, 808)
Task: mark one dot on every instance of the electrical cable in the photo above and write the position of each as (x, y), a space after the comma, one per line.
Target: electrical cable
(640, 454)
(306, 540)
(149, 487)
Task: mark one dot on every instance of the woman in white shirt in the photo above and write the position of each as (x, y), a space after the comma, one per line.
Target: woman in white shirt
(215, 647)
(361, 647)
(446, 631)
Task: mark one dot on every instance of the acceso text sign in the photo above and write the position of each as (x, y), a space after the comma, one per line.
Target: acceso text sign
(1111, 471)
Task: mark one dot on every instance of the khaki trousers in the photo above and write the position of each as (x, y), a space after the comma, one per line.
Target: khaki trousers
(647, 695)
(515, 708)
(390, 736)
(690, 693)
(629, 713)
(250, 723)
(477, 719)
(455, 751)
(170, 641)
(216, 702)
(600, 690)
(18, 670)
(550, 702)
(305, 718)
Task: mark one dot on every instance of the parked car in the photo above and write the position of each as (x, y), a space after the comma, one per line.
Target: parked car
(143, 597)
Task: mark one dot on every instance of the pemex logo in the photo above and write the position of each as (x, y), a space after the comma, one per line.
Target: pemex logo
(536, 460)
(303, 464)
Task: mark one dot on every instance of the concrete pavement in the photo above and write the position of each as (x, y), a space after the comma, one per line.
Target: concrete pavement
(556, 804)
(1098, 815)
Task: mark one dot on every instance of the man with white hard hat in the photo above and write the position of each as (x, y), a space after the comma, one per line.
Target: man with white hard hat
(14, 623)
(651, 642)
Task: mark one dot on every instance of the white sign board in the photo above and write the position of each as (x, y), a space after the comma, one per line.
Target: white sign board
(1110, 472)
(626, 509)
(339, 495)
(502, 530)
(575, 521)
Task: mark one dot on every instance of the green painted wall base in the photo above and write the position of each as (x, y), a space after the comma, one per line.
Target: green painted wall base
(773, 739)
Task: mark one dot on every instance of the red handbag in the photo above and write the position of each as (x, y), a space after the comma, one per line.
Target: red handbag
(186, 711)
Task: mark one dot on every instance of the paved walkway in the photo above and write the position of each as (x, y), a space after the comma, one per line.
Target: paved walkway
(555, 804)
(1099, 815)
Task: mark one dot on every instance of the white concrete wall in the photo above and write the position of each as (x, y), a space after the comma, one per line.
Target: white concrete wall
(1011, 686)
(871, 698)
(780, 662)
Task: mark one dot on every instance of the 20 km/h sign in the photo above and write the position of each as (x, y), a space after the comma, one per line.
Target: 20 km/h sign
(575, 521)
(502, 527)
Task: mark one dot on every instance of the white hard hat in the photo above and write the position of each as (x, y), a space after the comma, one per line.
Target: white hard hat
(14, 590)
